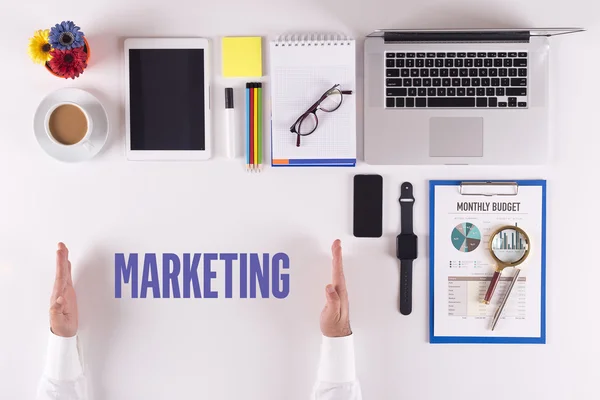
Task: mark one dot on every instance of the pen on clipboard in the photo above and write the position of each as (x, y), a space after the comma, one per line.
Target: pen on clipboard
(231, 134)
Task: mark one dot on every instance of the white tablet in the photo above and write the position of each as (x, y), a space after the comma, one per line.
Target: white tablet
(167, 99)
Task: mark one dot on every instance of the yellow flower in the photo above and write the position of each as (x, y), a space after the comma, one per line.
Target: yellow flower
(39, 48)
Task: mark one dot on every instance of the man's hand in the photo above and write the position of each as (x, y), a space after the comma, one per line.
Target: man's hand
(63, 303)
(335, 318)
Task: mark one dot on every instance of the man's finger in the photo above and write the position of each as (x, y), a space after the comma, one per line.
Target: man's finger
(333, 299)
(69, 276)
(58, 306)
(62, 272)
(62, 262)
(337, 270)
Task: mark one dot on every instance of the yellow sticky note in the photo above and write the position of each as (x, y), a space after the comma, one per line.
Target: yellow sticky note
(242, 56)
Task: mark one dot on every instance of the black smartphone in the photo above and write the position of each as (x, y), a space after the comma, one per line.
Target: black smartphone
(368, 206)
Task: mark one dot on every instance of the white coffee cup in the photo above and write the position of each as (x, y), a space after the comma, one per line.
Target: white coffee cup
(85, 141)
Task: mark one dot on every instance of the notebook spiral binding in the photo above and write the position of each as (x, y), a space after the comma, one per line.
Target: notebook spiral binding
(312, 39)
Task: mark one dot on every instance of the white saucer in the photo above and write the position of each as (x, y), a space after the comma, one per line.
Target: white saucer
(77, 152)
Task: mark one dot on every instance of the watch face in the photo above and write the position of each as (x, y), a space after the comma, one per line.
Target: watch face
(406, 247)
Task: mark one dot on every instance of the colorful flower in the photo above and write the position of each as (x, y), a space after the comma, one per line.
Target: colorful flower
(66, 36)
(39, 48)
(68, 63)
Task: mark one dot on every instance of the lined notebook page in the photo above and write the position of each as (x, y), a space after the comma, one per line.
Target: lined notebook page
(300, 74)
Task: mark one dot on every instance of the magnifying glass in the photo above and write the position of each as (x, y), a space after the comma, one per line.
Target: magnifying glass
(509, 246)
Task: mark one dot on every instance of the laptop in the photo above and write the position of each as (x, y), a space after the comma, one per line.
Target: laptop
(457, 96)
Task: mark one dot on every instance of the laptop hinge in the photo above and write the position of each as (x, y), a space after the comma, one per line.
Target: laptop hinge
(453, 37)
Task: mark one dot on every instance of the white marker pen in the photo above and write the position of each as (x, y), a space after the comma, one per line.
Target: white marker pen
(231, 135)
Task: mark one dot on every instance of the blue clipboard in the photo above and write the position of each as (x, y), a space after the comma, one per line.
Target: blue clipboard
(475, 339)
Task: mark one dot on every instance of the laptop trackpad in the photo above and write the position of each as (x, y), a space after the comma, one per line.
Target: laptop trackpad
(456, 137)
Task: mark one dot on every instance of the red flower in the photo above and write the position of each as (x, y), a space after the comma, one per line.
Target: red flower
(68, 63)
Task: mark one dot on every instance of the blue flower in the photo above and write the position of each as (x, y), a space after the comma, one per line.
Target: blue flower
(66, 36)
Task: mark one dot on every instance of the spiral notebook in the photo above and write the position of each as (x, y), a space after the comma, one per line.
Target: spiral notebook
(303, 67)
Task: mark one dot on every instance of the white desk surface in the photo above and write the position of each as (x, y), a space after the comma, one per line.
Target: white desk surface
(268, 349)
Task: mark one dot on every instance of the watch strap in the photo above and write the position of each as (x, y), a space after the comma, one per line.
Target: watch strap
(406, 271)
(407, 200)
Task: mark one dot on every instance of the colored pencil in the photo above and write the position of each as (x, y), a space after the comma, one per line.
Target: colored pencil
(247, 126)
(254, 89)
(254, 126)
(255, 155)
(260, 124)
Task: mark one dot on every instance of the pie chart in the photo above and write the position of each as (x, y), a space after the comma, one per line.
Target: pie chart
(466, 237)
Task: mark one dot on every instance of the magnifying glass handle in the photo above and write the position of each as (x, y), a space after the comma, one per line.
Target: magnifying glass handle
(498, 313)
(492, 287)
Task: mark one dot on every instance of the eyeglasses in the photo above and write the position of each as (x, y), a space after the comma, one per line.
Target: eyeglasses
(308, 122)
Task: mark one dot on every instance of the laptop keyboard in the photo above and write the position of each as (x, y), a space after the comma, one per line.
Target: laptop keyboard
(456, 80)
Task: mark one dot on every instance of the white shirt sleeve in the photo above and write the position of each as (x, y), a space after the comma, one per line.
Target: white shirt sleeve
(63, 377)
(336, 379)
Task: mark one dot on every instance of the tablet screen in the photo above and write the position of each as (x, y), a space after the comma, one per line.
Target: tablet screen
(167, 99)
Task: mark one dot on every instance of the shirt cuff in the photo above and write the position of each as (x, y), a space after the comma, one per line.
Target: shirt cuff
(62, 360)
(337, 360)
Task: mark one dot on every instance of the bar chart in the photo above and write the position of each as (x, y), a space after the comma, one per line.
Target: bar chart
(509, 239)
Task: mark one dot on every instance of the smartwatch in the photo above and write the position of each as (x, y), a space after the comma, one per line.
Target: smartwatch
(406, 247)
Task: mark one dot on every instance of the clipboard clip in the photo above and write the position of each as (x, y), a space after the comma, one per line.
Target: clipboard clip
(488, 188)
